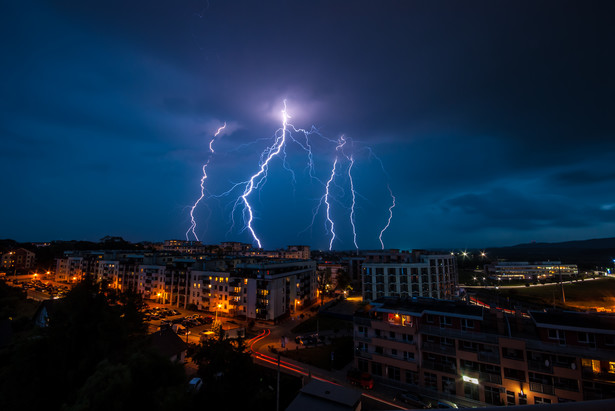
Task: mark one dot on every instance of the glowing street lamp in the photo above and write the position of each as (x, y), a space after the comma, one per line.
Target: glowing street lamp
(219, 306)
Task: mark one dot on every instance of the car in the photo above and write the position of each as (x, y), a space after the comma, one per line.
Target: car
(361, 378)
(446, 404)
(195, 384)
(409, 397)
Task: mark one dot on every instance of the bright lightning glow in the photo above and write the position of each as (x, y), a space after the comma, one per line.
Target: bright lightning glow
(390, 217)
(193, 221)
(258, 178)
(333, 188)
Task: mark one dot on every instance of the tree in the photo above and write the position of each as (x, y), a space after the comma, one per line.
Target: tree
(343, 280)
(324, 282)
(224, 365)
(93, 338)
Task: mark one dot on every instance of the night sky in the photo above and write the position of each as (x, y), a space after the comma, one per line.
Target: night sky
(494, 120)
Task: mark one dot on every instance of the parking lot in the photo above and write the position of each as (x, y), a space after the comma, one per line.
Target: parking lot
(191, 326)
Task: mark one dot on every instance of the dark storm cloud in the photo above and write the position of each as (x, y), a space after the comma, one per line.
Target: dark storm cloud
(457, 98)
(584, 177)
(511, 209)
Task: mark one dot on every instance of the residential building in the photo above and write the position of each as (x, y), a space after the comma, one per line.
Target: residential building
(458, 350)
(404, 274)
(17, 260)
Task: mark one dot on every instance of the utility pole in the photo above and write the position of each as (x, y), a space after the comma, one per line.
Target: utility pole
(561, 283)
(277, 400)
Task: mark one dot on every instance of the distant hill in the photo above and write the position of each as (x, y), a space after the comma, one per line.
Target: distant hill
(586, 253)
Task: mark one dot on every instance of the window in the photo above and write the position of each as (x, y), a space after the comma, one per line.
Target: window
(394, 352)
(378, 350)
(492, 395)
(513, 374)
(391, 335)
(446, 321)
(429, 319)
(512, 353)
(448, 385)
(540, 400)
(587, 338)
(510, 398)
(412, 377)
(609, 339)
(558, 335)
(407, 338)
(467, 324)
(431, 380)
(393, 373)
(408, 356)
(377, 369)
(377, 332)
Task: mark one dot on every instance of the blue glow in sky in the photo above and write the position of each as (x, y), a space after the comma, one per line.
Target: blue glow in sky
(494, 120)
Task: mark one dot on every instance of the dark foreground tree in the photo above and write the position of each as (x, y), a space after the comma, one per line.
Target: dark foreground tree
(92, 338)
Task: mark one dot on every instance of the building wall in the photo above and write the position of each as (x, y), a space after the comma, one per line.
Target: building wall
(453, 355)
(434, 276)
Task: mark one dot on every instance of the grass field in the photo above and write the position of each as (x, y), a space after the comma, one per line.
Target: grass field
(598, 294)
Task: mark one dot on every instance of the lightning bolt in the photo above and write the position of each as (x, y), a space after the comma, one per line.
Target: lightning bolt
(354, 200)
(328, 208)
(192, 227)
(255, 181)
(390, 217)
(332, 190)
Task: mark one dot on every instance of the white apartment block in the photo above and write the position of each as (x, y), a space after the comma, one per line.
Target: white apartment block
(419, 274)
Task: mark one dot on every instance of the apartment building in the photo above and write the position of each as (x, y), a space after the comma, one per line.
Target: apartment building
(18, 260)
(404, 274)
(458, 350)
(257, 288)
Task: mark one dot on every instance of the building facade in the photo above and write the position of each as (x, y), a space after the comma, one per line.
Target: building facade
(457, 350)
(18, 260)
(403, 274)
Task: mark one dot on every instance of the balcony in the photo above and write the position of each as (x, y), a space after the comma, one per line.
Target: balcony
(542, 388)
(534, 365)
(439, 366)
(460, 334)
(589, 374)
(439, 348)
(492, 378)
(363, 354)
(490, 357)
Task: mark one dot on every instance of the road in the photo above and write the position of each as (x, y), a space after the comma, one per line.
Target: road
(258, 347)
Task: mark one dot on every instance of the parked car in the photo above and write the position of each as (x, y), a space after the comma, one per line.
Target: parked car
(446, 404)
(360, 378)
(413, 399)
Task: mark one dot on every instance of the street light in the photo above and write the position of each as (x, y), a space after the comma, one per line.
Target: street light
(219, 306)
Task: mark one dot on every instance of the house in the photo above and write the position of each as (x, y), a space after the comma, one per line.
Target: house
(169, 345)
(324, 396)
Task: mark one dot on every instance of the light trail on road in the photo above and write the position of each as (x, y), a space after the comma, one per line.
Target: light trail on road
(298, 369)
